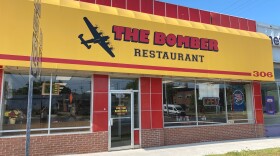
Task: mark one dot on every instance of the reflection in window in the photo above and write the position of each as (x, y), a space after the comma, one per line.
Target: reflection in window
(187, 103)
(211, 103)
(270, 103)
(239, 102)
(178, 103)
(271, 109)
(40, 107)
(123, 84)
(70, 102)
(14, 105)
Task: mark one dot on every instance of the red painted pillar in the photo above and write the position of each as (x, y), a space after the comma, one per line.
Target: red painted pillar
(145, 102)
(156, 103)
(258, 102)
(151, 103)
(100, 103)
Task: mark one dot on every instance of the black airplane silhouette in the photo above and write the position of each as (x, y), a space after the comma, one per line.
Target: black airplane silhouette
(97, 38)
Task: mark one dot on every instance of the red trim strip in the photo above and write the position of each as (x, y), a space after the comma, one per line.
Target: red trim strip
(133, 66)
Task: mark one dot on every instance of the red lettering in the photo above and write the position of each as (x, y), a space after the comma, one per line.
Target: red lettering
(118, 30)
(159, 38)
(171, 40)
(204, 44)
(144, 36)
(195, 43)
(183, 41)
(213, 45)
(131, 34)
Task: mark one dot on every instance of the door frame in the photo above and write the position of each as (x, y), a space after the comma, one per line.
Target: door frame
(132, 119)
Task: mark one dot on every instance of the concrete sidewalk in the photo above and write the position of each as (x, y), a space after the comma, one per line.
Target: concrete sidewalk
(197, 149)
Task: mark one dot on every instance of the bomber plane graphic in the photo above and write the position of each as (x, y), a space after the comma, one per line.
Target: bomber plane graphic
(97, 38)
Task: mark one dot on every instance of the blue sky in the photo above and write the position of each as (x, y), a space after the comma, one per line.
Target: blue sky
(263, 11)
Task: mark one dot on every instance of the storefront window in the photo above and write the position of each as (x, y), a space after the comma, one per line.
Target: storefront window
(70, 104)
(40, 104)
(210, 103)
(189, 103)
(14, 102)
(14, 105)
(179, 103)
(239, 102)
(270, 103)
(277, 71)
(71, 100)
(123, 84)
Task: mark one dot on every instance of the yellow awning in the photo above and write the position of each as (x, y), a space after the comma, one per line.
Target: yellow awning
(188, 49)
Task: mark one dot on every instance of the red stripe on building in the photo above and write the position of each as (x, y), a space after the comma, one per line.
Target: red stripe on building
(120, 65)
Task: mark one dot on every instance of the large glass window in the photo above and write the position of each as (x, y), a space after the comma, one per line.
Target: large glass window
(67, 110)
(179, 103)
(210, 103)
(270, 96)
(239, 102)
(123, 84)
(118, 83)
(71, 100)
(40, 104)
(187, 103)
(14, 102)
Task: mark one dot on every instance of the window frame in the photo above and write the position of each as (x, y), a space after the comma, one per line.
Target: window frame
(49, 130)
(224, 82)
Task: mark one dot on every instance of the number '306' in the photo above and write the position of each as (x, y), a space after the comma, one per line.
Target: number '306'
(262, 74)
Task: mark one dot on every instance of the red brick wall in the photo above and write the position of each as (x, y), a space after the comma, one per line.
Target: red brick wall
(152, 137)
(173, 136)
(56, 144)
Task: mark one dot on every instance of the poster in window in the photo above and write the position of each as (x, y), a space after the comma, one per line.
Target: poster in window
(46, 89)
(238, 100)
(270, 105)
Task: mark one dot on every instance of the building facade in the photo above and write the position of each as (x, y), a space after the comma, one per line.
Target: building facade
(118, 75)
(270, 91)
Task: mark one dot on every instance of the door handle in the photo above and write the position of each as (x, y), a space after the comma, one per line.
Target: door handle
(111, 122)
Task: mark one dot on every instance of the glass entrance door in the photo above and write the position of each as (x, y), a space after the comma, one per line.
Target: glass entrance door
(121, 121)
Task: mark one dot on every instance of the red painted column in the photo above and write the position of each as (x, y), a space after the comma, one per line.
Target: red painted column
(151, 103)
(156, 103)
(100, 103)
(258, 102)
(145, 102)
